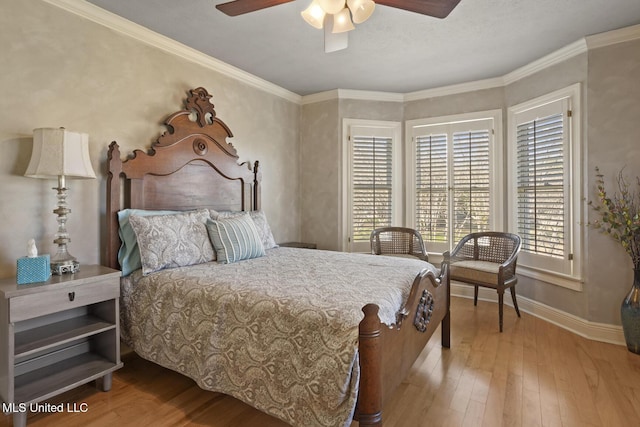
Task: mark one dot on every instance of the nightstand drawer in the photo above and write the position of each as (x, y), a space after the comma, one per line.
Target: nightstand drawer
(52, 301)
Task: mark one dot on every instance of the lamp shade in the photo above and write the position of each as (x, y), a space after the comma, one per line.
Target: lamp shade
(331, 6)
(314, 15)
(342, 21)
(58, 152)
(361, 10)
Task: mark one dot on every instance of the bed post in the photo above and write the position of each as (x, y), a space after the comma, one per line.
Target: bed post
(257, 177)
(446, 321)
(113, 204)
(369, 409)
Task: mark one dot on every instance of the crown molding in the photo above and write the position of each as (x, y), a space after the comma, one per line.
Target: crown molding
(560, 55)
(602, 332)
(320, 97)
(576, 48)
(454, 89)
(362, 95)
(613, 37)
(119, 24)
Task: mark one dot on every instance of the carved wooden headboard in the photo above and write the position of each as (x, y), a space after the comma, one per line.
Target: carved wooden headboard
(190, 166)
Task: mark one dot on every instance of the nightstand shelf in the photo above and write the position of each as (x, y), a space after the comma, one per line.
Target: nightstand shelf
(49, 336)
(51, 380)
(57, 335)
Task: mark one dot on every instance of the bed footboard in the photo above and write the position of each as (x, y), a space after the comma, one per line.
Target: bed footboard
(388, 353)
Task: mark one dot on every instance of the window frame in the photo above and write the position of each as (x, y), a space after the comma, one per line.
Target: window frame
(393, 129)
(496, 161)
(566, 272)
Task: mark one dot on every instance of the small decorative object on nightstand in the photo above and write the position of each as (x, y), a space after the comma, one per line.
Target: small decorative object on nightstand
(33, 268)
(57, 335)
(58, 153)
(298, 245)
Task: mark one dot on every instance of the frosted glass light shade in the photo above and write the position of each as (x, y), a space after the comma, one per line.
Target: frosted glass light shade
(331, 6)
(58, 152)
(342, 22)
(314, 15)
(361, 10)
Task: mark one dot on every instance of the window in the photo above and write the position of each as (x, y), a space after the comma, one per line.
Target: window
(545, 185)
(373, 185)
(454, 172)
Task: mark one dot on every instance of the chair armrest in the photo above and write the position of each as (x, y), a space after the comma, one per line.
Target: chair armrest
(513, 259)
(509, 266)
(511, 262)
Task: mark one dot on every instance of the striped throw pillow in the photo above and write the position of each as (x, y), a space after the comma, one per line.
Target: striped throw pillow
(235, 239)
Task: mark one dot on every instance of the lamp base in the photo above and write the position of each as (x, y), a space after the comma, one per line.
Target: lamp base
(69, 266)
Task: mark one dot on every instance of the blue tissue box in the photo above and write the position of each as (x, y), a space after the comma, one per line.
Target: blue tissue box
(32, 270)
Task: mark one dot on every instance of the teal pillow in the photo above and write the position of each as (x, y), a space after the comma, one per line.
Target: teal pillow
(129, 253)
(235, 239)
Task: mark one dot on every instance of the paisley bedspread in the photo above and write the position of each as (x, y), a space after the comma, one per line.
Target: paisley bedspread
(278, 332)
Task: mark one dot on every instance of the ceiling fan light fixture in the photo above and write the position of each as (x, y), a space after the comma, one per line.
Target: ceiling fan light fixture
(343, 12)
(342, 21)
(361, 10)
(331, 7)
(314, 15)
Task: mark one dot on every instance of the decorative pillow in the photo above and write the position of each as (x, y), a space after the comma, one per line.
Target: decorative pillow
(235, 238)
(260, 220)
(169, 241)
(129, 254)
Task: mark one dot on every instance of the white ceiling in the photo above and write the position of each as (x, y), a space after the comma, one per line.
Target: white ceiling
(394, 51)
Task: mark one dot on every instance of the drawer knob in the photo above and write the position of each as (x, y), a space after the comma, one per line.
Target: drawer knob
(72, 296)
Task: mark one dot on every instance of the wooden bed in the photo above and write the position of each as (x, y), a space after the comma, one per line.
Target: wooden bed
(193, 166)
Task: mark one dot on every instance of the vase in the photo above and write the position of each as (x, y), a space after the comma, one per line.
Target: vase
(630, 313)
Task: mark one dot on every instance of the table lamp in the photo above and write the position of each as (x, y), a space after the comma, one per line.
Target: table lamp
(58, 153)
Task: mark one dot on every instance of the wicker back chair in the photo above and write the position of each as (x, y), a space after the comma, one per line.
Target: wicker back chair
(487, 259)
(399, 241)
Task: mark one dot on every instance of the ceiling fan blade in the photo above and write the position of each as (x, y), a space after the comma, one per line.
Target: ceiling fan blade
(436, 8)
(239, 7)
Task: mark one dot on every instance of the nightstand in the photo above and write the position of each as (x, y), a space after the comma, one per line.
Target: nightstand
(298, 245)
(57, 335)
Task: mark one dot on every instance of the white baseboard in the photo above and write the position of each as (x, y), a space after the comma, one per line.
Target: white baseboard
(595, 331)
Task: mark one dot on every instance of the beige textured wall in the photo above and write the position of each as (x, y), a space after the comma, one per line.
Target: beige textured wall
(321, 162)
(613, 93)
(469, 102)
(62, 70)
(320, 174)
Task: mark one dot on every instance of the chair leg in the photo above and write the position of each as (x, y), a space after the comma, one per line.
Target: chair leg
(500, 301)
(513, 297)
(475, 295)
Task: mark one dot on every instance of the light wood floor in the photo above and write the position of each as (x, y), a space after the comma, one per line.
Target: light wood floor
(533, 374)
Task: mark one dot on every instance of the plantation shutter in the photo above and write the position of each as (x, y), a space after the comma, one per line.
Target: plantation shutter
(470, 183)
(453, 188)
(372, 190)
(540, 183)
(432, 198)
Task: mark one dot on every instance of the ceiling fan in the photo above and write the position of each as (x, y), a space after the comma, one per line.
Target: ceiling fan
(338, 16)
